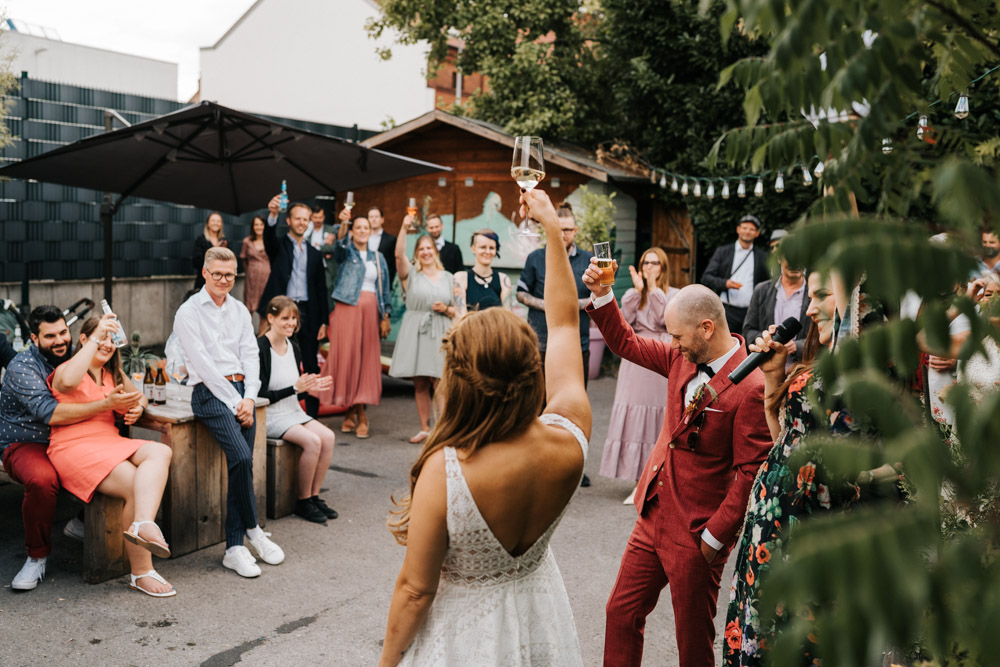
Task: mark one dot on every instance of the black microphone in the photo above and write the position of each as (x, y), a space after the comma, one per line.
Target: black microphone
(784, 333)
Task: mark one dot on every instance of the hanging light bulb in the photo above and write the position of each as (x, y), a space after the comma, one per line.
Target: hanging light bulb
(711, 190)
(673, 184)
(663, 180)
(725, 189)
(741, 189)
(758, 190)
(684, 188)
(921, 126)
(887, 146)
(779, 183)
(697, 188)
(818, 171)
(807, 178)
(962, 108)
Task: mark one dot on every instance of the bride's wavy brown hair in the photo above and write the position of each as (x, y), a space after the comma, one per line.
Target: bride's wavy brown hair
(493, 390)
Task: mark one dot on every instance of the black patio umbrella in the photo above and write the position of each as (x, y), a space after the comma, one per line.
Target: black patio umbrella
(210, 156)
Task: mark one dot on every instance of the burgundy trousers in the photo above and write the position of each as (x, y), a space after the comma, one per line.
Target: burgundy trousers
(651, 561)
(27, 463)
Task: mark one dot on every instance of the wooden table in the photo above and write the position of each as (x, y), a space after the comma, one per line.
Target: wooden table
(194, 503)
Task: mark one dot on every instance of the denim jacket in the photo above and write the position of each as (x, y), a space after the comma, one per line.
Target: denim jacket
(352, 273)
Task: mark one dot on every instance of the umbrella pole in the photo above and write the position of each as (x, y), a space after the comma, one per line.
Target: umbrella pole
(106, 222)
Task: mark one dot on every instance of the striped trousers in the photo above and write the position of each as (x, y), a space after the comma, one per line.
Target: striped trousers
(237, 445)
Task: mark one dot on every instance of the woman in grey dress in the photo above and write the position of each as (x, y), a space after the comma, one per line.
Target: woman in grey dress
(430, 308)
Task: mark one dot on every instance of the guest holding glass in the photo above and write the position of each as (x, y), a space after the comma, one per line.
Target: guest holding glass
(212, 236)
(281, 382)
(90, 456)
(361, 319)
(641, 394)
(256, 264)
(430, 308)
(482, 287)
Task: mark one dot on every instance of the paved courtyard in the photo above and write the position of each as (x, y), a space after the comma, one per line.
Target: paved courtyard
(327, 603)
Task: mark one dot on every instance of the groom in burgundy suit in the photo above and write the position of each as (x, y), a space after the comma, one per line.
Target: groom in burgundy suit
(692, 495)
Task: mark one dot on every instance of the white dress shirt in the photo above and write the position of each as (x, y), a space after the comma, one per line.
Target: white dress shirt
(375, 240)
(744, 275)
(314, 237)
(219, 341)
(439, 242)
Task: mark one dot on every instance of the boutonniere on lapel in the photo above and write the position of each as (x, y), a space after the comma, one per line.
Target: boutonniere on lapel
(696, 401)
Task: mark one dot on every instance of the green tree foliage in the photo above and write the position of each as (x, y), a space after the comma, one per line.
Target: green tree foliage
(885, 577)
(637, 77)
(7, 84)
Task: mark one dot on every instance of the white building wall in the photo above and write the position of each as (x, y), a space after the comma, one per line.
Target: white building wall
(77, 65)
(313, 60)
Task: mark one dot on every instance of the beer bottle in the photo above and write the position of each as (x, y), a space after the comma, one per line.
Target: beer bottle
(147, 385)
(160, 389)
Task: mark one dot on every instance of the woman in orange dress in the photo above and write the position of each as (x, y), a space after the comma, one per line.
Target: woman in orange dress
(91, 456)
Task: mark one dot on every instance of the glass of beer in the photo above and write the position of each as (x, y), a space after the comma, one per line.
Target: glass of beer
(602, 251)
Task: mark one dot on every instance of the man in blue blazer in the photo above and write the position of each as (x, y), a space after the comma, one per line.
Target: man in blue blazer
(297, 272)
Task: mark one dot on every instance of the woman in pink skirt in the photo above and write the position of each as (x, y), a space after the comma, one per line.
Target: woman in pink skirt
(360, 319)
(640, 395)
(91, 457)
(256, 265)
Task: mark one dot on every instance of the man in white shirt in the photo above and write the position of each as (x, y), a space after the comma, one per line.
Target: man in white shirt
(736, 269)
(216, 334)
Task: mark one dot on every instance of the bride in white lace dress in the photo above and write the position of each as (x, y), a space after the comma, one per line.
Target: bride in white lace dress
(479, 584)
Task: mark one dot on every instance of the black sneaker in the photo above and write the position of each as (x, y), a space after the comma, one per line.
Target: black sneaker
(306, 509)
(585, 482)
(328, 511)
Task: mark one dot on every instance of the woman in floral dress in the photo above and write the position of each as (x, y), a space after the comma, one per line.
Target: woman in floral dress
(781, 496)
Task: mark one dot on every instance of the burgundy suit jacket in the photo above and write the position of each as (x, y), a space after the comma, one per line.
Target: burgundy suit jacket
(707, 487)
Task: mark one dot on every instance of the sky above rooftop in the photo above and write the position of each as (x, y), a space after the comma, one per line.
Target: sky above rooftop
(166, 31)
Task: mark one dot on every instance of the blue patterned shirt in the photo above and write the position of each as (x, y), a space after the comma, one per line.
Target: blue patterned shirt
(26, 404)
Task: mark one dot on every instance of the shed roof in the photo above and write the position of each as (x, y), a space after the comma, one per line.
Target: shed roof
(563, 153)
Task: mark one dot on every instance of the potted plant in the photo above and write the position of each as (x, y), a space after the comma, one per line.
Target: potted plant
(135, 358)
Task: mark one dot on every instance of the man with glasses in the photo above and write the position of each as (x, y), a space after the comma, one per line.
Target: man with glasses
(693, 491)
(531, 289)
(223, 363)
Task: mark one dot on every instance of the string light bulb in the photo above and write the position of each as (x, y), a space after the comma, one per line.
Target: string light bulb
(962, 108)
(710, 193)
(818, 171)
(887, 146)
(673, 184)
(725, 189)
(741, 189)
(663, 180)
(697, 188)
(807, 178)
(779, 183)
(684, 188)
(758, 190)
(922, 126)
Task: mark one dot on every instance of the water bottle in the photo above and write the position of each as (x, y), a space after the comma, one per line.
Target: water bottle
(283, 200)
(117, 337)
(18, 343)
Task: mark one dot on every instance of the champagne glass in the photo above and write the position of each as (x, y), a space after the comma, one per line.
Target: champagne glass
(411, 210)
(527, 167)
(349, 200)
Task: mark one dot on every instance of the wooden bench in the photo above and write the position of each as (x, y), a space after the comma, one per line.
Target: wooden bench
(103, 545)
(282, 478)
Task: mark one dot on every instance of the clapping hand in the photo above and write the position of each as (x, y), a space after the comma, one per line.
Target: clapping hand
(122, 401)
(637, 282)
(132, 416)
(313, 382)
(439, 307)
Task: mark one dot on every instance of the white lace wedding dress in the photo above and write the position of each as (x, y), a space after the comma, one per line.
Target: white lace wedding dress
(492, 608)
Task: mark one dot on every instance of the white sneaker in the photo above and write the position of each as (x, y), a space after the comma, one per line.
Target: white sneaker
(74, 529)
(267, 551)
(240, 560)
(29, 576)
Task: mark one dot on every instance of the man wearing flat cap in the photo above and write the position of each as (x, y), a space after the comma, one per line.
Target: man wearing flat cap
(736, 269)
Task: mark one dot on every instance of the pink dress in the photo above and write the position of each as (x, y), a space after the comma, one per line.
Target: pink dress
(257, 268)
(640, 396)
(86, 452)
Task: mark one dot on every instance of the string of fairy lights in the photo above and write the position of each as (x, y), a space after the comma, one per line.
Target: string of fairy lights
(687, 184)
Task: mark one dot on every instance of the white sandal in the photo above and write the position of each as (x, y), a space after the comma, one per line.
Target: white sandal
(155, 548)
(152, 574)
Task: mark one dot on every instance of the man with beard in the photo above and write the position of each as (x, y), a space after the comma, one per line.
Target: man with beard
(990, 260)
(27, 410)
